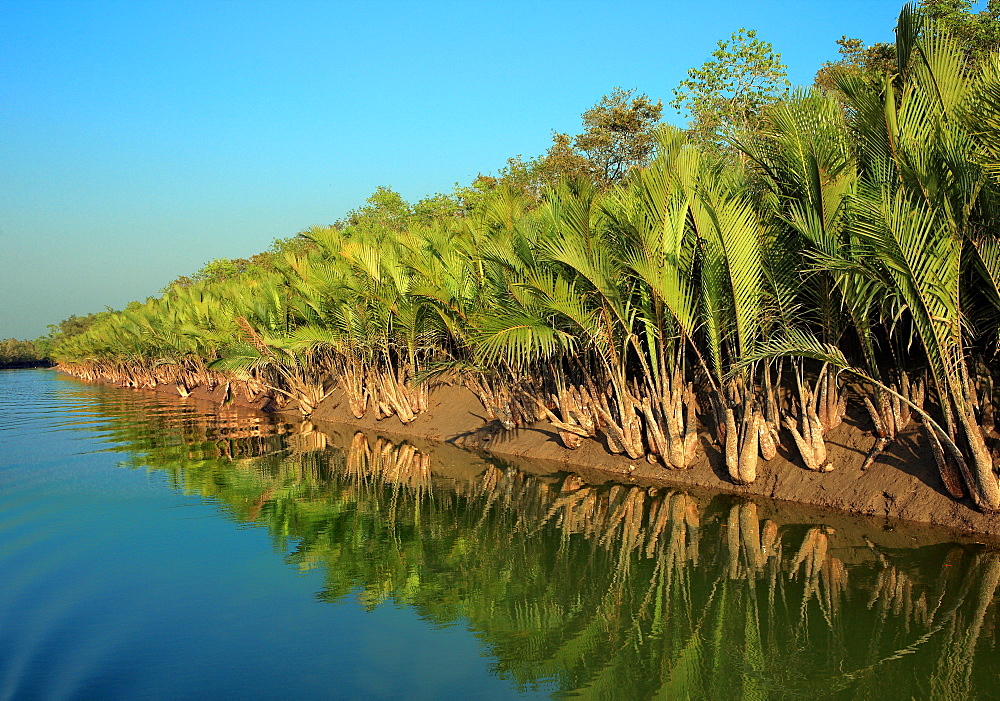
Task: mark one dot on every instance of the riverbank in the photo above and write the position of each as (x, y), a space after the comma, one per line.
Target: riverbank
(902, 485)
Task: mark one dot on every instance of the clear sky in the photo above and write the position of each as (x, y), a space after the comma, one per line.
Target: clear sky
(140, 139)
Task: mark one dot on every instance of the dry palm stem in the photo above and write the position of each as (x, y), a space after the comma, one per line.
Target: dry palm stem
(809, 439)
(392, 396)
(579, 416)
(771, 419)
(741, 436)
(893, 414)
(307, 389)
(950, 474)
(304, 384)
(490, 397)
(667, 428)
(505, 399)
(980, 389)
(183, 380)
(831, 400)
(670, 421)
(620, 421)
(350, 375)
(585, 410)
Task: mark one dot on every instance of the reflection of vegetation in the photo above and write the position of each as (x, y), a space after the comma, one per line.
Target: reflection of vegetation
(606, 590)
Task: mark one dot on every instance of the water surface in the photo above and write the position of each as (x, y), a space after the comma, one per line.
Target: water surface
(156, 548)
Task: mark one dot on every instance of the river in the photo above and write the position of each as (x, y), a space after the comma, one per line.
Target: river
(152, 547)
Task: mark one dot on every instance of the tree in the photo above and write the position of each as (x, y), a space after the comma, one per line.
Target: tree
(15, 354)
(977, 33)
(563, 160)
(385, 209)
(66, 329)
(727, 93)
(619, 134)
(868, 62)
(437, 207)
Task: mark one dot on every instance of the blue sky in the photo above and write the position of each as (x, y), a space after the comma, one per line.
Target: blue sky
(139, 140)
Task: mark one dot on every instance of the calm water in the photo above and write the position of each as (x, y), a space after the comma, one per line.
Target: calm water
(155, 548)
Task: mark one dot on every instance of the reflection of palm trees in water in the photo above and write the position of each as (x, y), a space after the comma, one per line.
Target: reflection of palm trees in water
(824, 576)
(947, 619)
(631, 524)
(953, 672)
(609, 589)
(390, 463)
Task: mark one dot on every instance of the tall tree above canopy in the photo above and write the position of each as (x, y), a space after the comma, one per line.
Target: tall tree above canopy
(562, 160)
(868, 62)
(619, 133)
(728, 92)
(385, 209)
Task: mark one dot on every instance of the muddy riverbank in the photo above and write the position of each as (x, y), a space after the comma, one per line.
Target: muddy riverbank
(902, 485)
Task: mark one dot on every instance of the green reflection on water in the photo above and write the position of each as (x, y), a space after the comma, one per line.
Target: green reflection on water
(606, 591)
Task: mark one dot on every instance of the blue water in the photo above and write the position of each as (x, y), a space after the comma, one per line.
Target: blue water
(152, 547)
(113, 584)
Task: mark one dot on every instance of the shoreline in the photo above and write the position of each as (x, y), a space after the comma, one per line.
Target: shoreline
(27, 365)
(902, 485)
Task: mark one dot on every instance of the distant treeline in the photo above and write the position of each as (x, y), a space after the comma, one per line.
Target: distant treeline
(21, 354)
(790, 255)
(38, 353)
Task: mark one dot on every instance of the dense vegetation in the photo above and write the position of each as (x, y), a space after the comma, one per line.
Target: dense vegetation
(792, 253)
(20, 354)
(38, 352)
